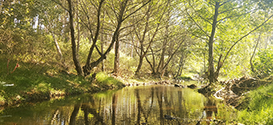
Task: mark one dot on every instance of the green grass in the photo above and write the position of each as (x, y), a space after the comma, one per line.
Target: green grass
(104, 80)
(31, 82)
(259, 109)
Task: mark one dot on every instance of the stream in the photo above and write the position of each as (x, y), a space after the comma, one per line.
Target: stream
(143, 105)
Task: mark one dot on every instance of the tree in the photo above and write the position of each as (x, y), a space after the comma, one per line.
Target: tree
(121, 16)
(223, 13)
(150, 27)
(73, 42)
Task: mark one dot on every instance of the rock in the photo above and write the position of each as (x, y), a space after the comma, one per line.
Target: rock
(176, 85)
(192, 86)
(168, 117)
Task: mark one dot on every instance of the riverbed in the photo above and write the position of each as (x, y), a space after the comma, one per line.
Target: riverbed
(153, 105)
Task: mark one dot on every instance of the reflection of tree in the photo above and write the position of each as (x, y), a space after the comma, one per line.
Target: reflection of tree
(56, 112)
(169, 99)
(114, 105)
(138, 107)
(142, 105)
(210, 108)
(159, 99)
(147, 112)
(74, 114)
(87, 109)
(151, 105)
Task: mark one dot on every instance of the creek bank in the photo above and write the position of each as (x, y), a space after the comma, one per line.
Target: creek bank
(67, 85)
(234, 91)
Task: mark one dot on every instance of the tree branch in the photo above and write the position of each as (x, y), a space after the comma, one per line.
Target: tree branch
(60, 5)
(246, 36)
(136, 10)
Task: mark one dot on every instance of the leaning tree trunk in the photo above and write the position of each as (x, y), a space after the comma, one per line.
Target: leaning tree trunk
(116, 62)
(73, 43)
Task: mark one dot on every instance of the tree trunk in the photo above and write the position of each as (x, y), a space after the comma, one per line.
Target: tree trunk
(94, 40)
(102, 42)
(73, 43)
(74, 114)
(78, 26)
(141, 41)
(57, 46)
(116, 62)
(88, 66)
(211, 40)
(139, 64)
(180, 66)
(253, 54)
(114, 106)
(102, 45)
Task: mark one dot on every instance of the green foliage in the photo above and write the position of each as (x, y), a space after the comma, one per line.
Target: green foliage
(263, 65)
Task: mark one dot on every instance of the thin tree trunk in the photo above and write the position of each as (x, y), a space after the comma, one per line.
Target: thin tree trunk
(120, 19)
(141, 41)
(114, 106)
(78, 26)
(59, 51)
(102, 43)
(116, 61)
(139, 64)
(211, 41)
(73, 43)
(180, 66)
(94, 40)
(253, 54)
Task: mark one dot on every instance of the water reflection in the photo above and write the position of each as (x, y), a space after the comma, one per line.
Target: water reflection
(153, 105)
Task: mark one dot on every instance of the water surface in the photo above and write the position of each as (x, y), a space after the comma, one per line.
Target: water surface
(153, 105)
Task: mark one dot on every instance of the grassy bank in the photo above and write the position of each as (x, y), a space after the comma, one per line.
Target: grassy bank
(258, 107)
(36, 82)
